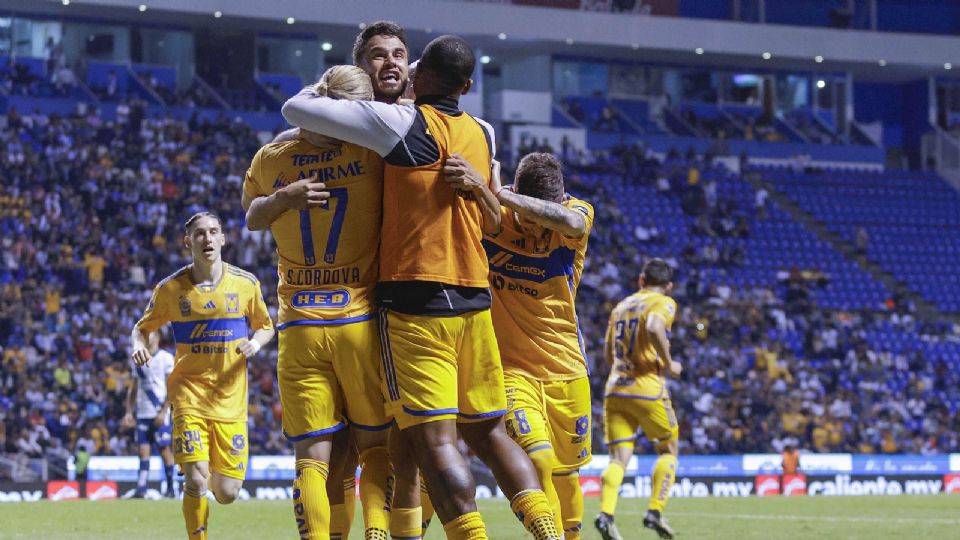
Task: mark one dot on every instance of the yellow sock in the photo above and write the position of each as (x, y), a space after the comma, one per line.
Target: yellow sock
(406, 523)
(664, 474)
(571, 503)
(349, 500)
(311, 508)
(339, 530)
(612, 478)
(426, 507)
(195, 513)
(534, 511)
(544, 461)
(376, 482)
(466, 527)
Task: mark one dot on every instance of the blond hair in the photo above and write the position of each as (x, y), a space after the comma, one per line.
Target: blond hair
(346, 82)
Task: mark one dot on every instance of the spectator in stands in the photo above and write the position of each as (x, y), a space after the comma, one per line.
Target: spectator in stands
(862, 241)
(647, 232)
(760, 202)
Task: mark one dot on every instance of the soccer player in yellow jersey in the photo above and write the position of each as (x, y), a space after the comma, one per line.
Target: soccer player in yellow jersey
(535, 265)
(441, 362)
(211, 306)
(638, 347)
(321, 199)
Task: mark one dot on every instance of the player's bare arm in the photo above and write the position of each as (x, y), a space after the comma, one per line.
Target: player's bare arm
(459, 174)
(300, 195)
(131, 402)
(253, 345)
(657, 328)
(141, 352)
(550, 215)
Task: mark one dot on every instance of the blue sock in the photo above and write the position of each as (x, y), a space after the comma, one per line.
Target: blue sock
(144, 472)
(168, 476)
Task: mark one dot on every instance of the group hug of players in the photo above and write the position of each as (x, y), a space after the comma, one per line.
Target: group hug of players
(419, 302)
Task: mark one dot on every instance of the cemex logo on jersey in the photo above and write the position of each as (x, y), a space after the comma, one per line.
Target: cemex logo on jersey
(591, 486)
(951, 483)
(794, 484)
(101, 491)
(59, 490)
(766, 485)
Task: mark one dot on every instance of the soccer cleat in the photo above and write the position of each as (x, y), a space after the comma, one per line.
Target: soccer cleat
(606, 527)
(169, 494)
(657, 523)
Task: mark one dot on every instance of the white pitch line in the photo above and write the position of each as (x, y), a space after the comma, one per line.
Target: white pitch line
(832, 519)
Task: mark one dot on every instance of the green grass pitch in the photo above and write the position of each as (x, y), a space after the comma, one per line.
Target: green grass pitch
(874, 518)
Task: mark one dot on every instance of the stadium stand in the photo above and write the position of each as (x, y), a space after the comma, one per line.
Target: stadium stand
(792, 338)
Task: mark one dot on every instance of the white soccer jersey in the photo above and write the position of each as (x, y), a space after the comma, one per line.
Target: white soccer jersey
(152, 384)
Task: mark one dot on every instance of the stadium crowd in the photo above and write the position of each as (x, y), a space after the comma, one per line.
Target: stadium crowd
(91, 217)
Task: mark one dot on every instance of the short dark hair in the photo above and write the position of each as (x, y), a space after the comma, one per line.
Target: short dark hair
(188, 226)
(379, 28)
(540, 175)
(657, 273)
(451, 60)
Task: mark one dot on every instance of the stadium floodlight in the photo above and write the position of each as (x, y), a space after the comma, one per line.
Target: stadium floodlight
(217, 14)
(818, 59)
(142, 7)
(821, 84)
(698, 50)
(326, 45)
(501, 36)
(291, 20)
(65, 2)
(485, 59)
(948, 66)
(568, 41)
(766, 55)
(882, 62)
(362, 26)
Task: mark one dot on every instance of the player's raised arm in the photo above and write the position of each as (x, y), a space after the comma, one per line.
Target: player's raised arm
(377, 126)
(538, 171)
(459, 174)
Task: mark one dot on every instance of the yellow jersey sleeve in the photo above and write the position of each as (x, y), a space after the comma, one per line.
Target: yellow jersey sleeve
(254, 176)
(156, 314)
(257, 313)
(665, 308)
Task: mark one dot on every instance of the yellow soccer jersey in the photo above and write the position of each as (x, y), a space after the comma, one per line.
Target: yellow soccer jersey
(534, 282)
(327, 255)
(628, 344)
(209, 378)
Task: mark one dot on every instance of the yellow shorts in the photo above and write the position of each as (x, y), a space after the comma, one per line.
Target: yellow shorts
(329, 374)
(441, 368)
(222, 444)
(555, 415)
(631, 404)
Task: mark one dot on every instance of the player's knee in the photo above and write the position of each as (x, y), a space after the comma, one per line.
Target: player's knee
(621, 454)
(671, 447)
(484, 437)
(196, 481)
(227, 493)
